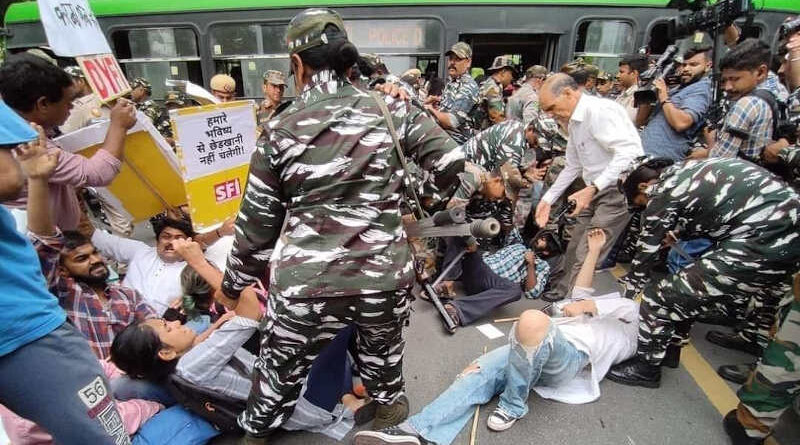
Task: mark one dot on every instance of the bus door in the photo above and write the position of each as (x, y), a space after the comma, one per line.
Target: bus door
(526, 49)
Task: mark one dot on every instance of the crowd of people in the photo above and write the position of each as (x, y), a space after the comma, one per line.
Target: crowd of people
(291, 314)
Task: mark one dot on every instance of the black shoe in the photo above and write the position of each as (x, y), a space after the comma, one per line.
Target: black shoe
(736, 373)
(636, 372)
(733, 341)
(672, 359)
(391, 415)
(737, 432)
(247, 439)
(552, 297)
(717, 318)
(366, 413)
(388, 436)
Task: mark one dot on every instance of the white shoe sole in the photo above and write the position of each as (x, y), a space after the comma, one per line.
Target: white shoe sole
(378, 438)
(499, 426)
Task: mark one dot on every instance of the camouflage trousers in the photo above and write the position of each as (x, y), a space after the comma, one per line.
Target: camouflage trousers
(733, 274)
(295, 331)
(775, 383)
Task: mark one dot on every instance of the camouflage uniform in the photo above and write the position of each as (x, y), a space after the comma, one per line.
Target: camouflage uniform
(324, 192)
(523, 105)
(158, 115)
(458, 99)
(790, 156)
(499, 143)
(775, 383)
(490, 98)
(753, 220)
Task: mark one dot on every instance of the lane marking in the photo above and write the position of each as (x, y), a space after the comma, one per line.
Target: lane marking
(717, 391)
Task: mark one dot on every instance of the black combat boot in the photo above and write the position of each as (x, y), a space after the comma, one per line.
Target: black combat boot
(734, 341)
(736, 373)
(672, 358)
(391, 415)
(636, 372)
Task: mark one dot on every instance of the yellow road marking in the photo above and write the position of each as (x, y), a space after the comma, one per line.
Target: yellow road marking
(717, 391)
(618, 271)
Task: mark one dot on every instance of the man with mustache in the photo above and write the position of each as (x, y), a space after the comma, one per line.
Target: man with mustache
(459, 96)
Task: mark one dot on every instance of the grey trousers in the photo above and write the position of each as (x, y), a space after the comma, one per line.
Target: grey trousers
(608, 211)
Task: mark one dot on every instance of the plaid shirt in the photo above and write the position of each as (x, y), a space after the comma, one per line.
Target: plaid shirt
(509, 263)
(98, 321)
(746, 130)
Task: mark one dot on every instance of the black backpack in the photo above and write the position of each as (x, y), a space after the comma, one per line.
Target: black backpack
(218, 409)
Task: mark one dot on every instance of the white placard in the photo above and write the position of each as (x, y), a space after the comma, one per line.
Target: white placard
(490, 331)
(71, 28)
(216, 139)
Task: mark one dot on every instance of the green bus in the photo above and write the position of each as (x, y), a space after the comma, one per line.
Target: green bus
(195, 39)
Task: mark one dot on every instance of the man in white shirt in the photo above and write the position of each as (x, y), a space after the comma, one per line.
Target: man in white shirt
(602, 143)
(562, 359)
(153, 271)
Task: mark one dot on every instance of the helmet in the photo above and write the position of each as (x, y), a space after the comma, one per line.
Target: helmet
(306, 30)
(141, 82)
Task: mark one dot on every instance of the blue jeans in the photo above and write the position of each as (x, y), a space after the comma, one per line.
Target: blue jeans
(511, 371)
(126, 388)
(57, 382)
(694, 247)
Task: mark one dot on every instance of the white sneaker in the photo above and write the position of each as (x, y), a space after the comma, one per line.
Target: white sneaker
(500, 420)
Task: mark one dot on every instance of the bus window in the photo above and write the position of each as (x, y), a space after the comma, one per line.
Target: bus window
(158, 54)
(246, 52)
(603, 42)
(402, 44)
(659, 39)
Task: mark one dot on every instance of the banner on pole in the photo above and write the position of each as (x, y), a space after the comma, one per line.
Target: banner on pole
(71, 28)
(215, 143)
(105, 76)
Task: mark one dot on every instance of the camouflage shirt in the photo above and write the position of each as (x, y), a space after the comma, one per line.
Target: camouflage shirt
(470, 184)
(791, 157)
(458, 99)
(499, 143)
(523, 105)
(158, 115)
(718, 199)
(490, 103)
(324, 192)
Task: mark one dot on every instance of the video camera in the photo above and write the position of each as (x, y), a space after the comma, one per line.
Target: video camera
(664, 67)
(706, 18)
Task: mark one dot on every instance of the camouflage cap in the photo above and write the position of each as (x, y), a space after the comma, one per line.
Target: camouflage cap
(274, 77)
(306, 30)
(411, 76)
(461, 50)
(512, 180)
(593, 70)
(500, 62)
(604, 76)
(223, 82)
(373, 61)
(75, 71)
(175, 98)
(141, 82)
(536, 71)
(38, 52)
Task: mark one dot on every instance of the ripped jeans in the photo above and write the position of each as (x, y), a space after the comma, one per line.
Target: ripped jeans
(511, 371)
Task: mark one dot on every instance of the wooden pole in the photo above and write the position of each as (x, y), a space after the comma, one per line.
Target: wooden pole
(473, 435)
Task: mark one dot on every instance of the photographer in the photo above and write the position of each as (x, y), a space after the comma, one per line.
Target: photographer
(629, 69)
(680, 112)
(747, 127)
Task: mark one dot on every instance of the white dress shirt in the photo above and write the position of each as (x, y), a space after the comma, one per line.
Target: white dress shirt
(602, 142)
(157, 281)
(608, 338)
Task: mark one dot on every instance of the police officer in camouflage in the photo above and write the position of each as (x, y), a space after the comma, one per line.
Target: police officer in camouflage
(454, 111)
(274, 85)
(140, 94)
(753, 220)
(491, 108)
(523, 105)
(321, 219)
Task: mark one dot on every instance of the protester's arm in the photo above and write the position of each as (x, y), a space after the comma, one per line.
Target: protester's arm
(118, 248)
(536, 279)
(123, 117)
(260, 218)
(38, 164)
(596, 239)
(11, 176)
(141, 309)
(191, 252)
(736, 128)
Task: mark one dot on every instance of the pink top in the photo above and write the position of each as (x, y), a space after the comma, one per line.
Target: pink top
(74, 171)
(134, 414)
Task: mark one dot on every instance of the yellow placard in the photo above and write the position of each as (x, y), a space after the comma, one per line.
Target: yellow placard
(145, 175)
(216, 197)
